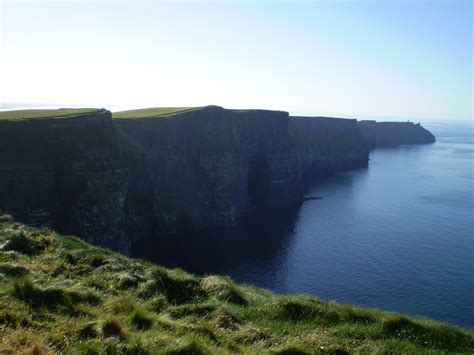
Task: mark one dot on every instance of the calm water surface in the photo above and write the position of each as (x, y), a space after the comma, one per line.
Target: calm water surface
(398, 235)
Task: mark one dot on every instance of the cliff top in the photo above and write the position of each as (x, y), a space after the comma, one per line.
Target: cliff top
(323, 118)
(171, 111)
(152, 112)
(59, 294)
(43, 113)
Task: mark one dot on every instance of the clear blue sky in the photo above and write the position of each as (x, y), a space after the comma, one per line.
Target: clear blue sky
(379, 58)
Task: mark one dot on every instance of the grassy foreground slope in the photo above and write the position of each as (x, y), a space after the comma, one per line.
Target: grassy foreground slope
(152, 112)
(39, 113)
(59, 294)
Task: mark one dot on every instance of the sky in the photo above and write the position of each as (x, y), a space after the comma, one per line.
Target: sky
(347, 58)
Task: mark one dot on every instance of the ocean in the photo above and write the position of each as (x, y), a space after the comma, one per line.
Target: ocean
(398, 235)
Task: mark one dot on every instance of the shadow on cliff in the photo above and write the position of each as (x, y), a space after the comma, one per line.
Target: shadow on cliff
(259, 239)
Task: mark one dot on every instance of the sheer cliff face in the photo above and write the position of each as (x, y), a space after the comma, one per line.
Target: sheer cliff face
(207, 167)
(66, 173)
(112, 181)
(327, 145)
(383, 134)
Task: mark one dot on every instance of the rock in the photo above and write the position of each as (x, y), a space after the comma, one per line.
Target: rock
(113, 181)
(309, 198)
(206, 168)
(383, 134)
(327, 145)
(66, 173)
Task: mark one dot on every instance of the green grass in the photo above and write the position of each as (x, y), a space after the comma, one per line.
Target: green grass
(152, 112)
(59, 294)
(40, 113)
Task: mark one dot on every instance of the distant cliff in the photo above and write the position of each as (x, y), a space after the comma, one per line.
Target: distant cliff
(111, 180)
(326, 145)
(383, 134)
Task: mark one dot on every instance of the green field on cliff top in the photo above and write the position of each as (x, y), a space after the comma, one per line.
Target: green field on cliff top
(59, 294)
(152, 112)
(41, 113)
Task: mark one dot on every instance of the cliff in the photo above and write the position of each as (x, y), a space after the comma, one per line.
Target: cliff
(206, 167)
(327, 145)
(113, 180)
(153, 172)
(66, 173)
(383, 134)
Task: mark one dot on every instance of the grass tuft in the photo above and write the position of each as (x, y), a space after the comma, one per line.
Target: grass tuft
(14, 320)
(112, 327)
(252, 335)
(126, 281)
(354, 315)
(184, 310)
(88, 330)
(123, 305)
(291, 350)
(53, 298)
(148, 289)
(297, 310)
(178, 289)
(70, 258)
(13, 270)
(20, 242)
(96, 261)
(399, 324)
(158, 303)
(226, 320)
(140, 319)
(440, 336)
(223, 290)
(191, 348)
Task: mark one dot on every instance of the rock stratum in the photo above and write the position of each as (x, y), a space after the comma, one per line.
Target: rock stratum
(114, 180)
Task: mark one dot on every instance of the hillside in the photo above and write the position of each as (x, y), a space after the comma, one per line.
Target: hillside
(60, 294)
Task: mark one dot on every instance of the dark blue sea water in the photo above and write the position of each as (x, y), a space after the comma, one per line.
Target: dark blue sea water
(398, 235)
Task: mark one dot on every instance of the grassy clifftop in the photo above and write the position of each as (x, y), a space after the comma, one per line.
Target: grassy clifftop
(43, 113)
(60, 294)
(152, 112)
